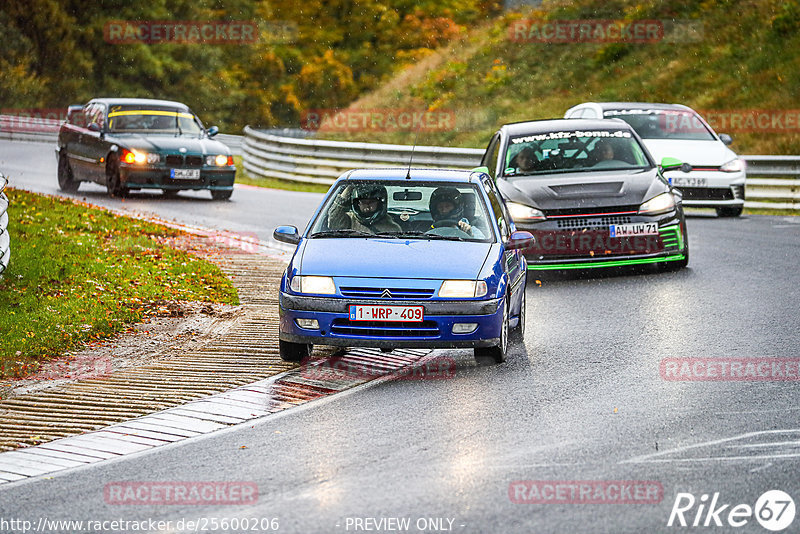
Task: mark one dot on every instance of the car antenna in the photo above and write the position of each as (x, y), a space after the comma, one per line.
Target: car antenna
(411, 158)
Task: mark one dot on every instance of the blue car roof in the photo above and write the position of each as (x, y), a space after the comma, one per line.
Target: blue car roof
(400, 173)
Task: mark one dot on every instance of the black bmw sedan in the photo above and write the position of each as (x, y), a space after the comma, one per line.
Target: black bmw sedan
(133, 143)
(590, 193)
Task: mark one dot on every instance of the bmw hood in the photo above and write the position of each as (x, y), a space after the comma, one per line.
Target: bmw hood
(584, 190)
(698, 153)
(168, 144)
(392, 258)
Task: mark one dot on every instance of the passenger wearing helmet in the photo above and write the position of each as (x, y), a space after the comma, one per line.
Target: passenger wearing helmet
(447, 206)
(362, 207)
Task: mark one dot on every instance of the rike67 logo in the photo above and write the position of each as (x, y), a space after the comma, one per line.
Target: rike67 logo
(774, 511)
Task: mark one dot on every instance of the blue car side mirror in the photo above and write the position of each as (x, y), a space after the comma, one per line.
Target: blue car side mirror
(211, 132)
(519, 240)
(286, 234)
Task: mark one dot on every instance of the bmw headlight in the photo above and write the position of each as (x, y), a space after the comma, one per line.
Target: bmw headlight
(734, 165)
(662, 203)
(317, 285)
(521, 212)
(135, 156)
(462, 289)
(219, 160)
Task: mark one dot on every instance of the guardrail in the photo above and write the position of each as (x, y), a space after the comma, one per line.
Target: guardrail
(5, 238)
(772, 180)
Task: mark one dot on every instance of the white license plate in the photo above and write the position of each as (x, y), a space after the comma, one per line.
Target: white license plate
(688, 181)
(633, 229)
(404, 314)
(185, 174)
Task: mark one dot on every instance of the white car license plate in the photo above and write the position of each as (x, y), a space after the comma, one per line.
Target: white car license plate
(406, 314)
(689, 181)
(633, 229)
(185, 174)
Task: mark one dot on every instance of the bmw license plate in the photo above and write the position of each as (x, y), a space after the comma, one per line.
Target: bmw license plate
(400, 314)
(634, 229)
(184, 174)
(687, 181)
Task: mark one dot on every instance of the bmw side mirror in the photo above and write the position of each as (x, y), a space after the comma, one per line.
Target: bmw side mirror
(726, 139)
(94, 127)
(520, 239)
(286, 234)
(211, 132)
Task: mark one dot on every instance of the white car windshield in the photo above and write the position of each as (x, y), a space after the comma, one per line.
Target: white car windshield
(663, 123)
(573, 151)
(407, 209)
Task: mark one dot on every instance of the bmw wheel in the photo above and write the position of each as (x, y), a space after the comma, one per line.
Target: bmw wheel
(66, 180)
(113, 179)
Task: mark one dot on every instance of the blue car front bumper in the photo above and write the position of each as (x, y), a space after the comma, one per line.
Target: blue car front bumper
(435, 331)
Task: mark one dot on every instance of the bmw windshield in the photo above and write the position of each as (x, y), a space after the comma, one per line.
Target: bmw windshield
(153, 121)
(407, 209)
(573, 151)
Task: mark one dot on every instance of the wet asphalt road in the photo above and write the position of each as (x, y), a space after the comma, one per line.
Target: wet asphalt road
(582, 400)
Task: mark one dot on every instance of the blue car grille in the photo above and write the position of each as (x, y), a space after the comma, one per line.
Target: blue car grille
(394, 293)
(384, 329)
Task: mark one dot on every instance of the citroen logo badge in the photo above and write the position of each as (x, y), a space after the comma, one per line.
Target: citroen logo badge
(386, 294)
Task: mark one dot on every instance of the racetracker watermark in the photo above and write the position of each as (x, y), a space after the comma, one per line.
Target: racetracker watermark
(592, 242)
(33, 120)
(378, 120)
(238, 242)
(439, 368)
(736, 121)
(730, 369)
(180, 493)
(585, 492)
(604, 31)
(66, 368)
(122, 32)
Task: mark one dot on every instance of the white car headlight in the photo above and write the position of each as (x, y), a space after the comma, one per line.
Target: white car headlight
(734, 165)
(317, 285)
(662, 203)
(521, 212)
(462, 289)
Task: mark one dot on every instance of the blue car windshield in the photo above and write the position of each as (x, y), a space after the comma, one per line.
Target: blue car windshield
(154, 121)
(574, 151)
(404, 209)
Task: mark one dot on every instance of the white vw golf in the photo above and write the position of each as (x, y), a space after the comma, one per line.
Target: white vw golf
(713, 175)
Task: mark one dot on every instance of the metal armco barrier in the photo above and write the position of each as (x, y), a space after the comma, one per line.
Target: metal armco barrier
(773, 181)
(5, 238)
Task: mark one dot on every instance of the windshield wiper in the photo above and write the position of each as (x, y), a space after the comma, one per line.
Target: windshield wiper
(345, 232)
(431, 236)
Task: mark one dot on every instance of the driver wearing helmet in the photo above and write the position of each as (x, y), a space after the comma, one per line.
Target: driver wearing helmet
(363, 208)
(447, 209)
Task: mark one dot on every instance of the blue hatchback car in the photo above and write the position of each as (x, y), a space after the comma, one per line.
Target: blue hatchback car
(405, 258)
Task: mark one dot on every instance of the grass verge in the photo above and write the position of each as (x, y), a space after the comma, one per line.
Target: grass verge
(80, 274)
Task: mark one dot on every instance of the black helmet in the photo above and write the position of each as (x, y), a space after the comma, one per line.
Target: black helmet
(446, 194)
(375, 191)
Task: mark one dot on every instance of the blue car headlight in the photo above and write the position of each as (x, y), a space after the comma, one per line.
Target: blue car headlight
(464, 289)
(317, 285)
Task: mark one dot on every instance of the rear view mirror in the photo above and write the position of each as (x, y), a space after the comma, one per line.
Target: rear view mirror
(671, 164)
(214, 130)
(407, 196)
(726, 139)
(94, 127)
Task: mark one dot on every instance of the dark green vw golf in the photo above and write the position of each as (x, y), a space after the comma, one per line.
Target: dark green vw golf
(131, 143)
